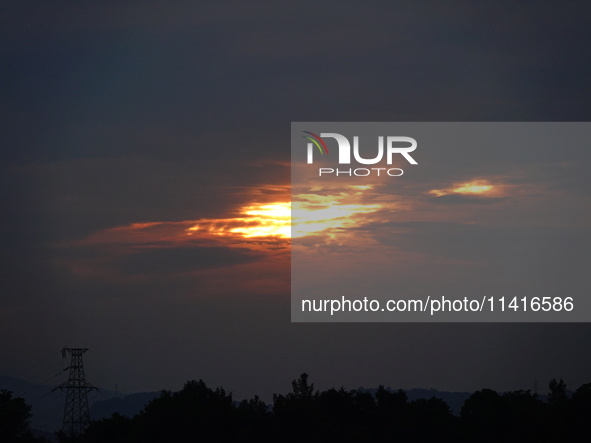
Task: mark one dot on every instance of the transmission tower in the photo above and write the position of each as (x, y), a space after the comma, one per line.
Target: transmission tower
(76, 414)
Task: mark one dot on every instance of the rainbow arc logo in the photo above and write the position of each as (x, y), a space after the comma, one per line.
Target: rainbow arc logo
(317, 141)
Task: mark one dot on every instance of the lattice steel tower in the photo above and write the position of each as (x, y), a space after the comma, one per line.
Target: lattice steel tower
(76, 414)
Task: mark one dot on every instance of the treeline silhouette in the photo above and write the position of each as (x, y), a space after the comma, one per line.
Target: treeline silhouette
(199, 413)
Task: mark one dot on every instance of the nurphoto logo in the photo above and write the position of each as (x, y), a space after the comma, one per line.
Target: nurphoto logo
(394, 145)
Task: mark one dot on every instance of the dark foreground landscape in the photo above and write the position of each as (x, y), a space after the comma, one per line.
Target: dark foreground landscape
(200, 413)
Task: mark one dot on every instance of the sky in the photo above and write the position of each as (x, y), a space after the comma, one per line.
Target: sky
(140, 142)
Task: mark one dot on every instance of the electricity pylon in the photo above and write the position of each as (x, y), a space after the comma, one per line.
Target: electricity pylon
(76, 414)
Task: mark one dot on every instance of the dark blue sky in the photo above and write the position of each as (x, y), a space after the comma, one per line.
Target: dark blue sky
(120, 113)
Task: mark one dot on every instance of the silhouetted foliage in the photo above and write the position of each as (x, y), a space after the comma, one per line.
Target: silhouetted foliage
(116, 429)
(513, 416)
(14, 420)
(296, 408)
(14, 417)
(199, 413)
(482, 412)
(431, 420)
(579, 415)
(195, 412)
(557, 397)
(526, 416)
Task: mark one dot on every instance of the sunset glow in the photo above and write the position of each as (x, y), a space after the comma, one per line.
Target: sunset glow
(259, 220)
(313, 215)
(478, 187)
(472, 188)
(256, 225)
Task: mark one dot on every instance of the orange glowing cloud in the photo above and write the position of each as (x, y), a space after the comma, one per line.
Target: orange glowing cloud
(308, 214)
(255, 223)
(262, 226)
(482, 188)
(257, 220)
(331, 213)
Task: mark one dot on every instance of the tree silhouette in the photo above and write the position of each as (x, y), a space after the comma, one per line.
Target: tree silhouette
(195, 412)
(254, 421)
(558, 405)
(391, 413)
(431, 420)
(557, 397)
(302, 390)
(116, 429)
(14, 417)
(14, 420)
(482, 415)
(198, 413)
(526, 418)
(579, 412)
(296, 408)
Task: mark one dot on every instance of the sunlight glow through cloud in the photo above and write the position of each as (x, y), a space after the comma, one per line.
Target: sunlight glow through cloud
(255, 225)
(260, 220)
(477, 187)
(311, 214)
(314, 214)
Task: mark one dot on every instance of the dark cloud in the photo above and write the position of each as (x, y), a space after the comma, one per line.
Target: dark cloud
(465, 199)
(542, 248)
(120, 79)
(187, 259)
(72, 199)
